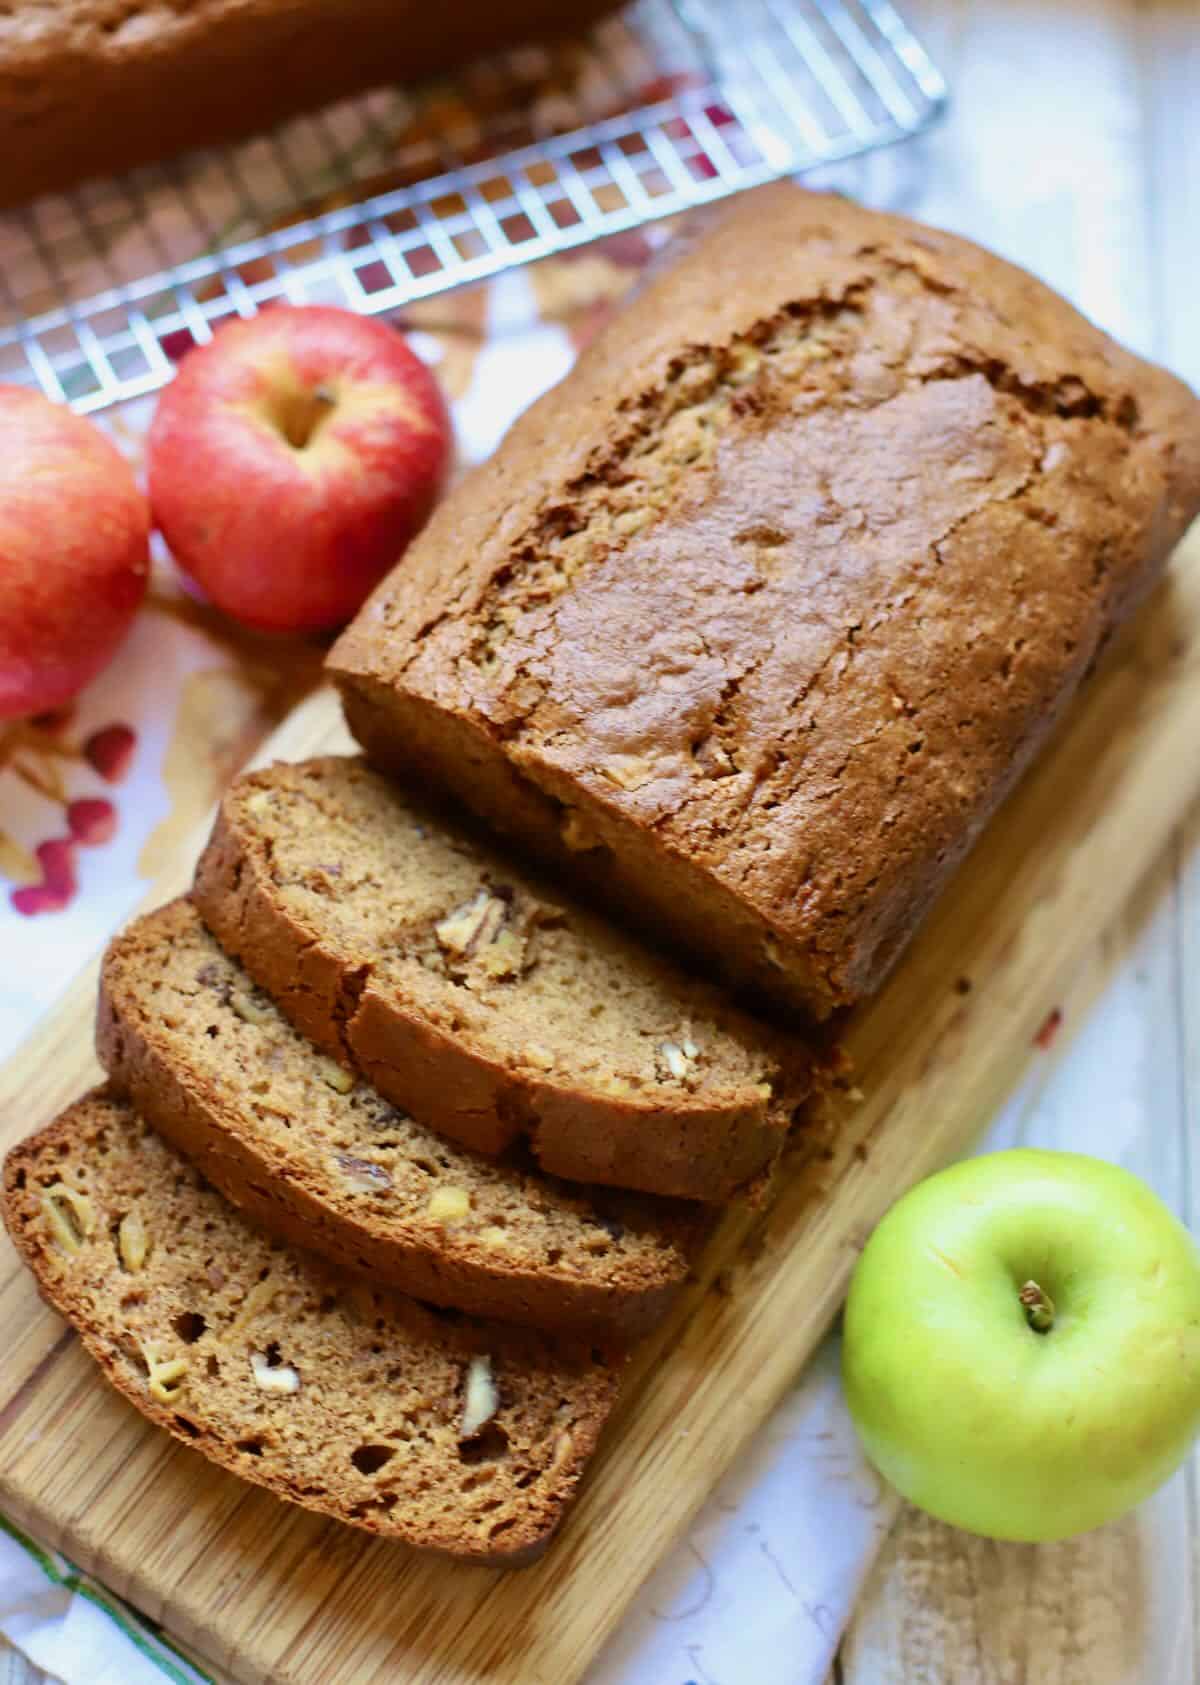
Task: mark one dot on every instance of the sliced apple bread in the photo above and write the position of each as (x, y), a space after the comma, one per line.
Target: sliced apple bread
(452, 1435)
(482, 999)
(314, 1154)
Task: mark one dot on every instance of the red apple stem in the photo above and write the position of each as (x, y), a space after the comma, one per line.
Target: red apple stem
(1039, 1307)
(302, 414)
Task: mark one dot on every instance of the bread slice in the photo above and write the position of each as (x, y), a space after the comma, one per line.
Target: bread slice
(483, 1000)
(320, 1159)
(457, 1436)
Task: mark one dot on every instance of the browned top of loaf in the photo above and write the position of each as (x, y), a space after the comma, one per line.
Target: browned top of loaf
(380, 912)
(791, 567)
(341, 1398)
(217, 1067)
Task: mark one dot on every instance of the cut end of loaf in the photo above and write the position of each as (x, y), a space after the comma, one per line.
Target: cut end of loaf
(482, 997)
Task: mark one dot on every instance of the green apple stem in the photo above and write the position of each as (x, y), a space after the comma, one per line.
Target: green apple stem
(1039, 1307)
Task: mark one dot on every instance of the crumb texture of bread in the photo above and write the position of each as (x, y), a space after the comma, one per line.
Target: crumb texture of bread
(307, 1148)
(462, 1437)
(484, 1000)
(757, 616)
(89, 87)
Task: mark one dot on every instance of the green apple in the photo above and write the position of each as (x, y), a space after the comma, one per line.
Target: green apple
(1022, 1344)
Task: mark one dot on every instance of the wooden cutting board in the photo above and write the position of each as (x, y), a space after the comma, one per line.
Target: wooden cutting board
(270, 1593)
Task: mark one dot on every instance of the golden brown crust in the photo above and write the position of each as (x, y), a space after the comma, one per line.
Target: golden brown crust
(429, 1495)
(251, 1106)
(705, 1143)
(756, 617)
(91, 87)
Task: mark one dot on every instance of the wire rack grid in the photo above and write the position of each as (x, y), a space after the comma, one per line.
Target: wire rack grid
(380, 201)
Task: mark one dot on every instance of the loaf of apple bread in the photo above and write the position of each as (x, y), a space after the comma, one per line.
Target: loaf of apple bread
(754, 619)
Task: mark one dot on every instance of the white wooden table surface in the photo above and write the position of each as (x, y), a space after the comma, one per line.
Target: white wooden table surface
(1073, 148)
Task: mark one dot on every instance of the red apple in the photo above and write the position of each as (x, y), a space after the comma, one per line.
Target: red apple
(74, 552)
(291, 461)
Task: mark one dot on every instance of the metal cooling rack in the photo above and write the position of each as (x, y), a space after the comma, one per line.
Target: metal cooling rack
(398, 195)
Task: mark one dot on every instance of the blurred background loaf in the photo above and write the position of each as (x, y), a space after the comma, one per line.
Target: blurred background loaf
(90, 87)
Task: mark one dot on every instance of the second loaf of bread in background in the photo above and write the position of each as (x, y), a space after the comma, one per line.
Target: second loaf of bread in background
(88, 87)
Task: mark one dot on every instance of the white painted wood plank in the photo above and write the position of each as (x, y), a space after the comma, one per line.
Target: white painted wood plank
(1187, 1011)
(1169, 65)
(15, 1670)
(1075, 149)
(1169, 68)
(1112, 1608)
(1042, 156)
